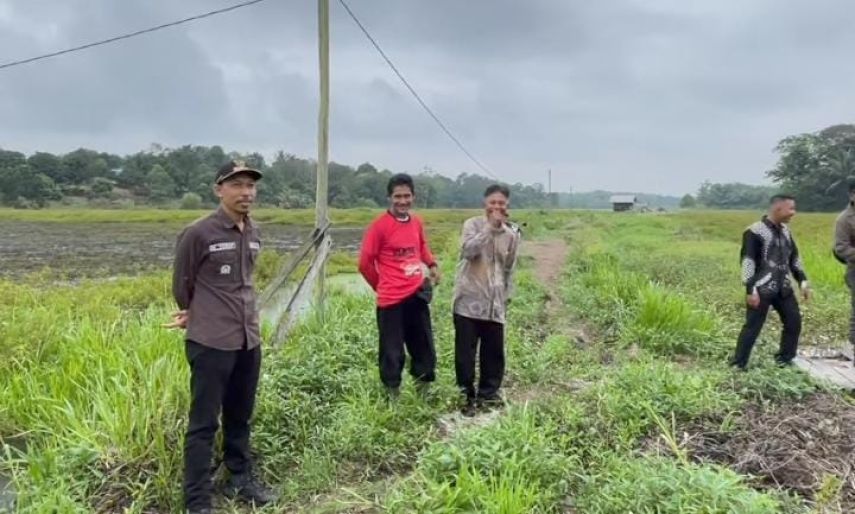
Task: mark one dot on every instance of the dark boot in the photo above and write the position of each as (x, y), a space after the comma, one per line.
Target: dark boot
(248, 488)
(494, 401)
(470, 408)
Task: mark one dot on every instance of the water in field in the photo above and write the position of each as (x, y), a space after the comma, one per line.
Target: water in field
(79, 250)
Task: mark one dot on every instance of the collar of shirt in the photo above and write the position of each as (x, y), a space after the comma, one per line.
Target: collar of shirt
(771, 224)
(228, 222)
(400, 220)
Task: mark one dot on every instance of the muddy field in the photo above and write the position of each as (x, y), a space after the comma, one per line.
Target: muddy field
(75, 251)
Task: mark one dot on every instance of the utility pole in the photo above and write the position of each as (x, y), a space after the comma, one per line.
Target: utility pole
(321, 215)
(322, 191)
(549, 187)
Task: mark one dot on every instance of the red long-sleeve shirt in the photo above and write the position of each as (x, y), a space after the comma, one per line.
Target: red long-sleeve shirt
(391, 257)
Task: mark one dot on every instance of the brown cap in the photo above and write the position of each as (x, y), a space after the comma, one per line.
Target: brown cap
(232, 168)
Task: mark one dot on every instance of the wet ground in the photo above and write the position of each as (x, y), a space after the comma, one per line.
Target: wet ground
(76, 250)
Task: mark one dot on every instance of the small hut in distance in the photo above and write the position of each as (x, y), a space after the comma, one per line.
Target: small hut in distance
(623, 202)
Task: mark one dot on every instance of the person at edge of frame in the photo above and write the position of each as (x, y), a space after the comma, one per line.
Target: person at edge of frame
(213, 287)
(488, 256)
(844, 250)
(392, 257)
(768, 255)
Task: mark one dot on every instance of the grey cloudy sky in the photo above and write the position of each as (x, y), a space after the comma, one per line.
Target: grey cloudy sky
(630, 95)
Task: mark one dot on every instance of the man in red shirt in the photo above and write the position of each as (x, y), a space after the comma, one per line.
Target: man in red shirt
(394, 250)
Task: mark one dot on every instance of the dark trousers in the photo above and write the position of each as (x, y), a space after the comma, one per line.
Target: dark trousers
(406, 324)
(219, 381)
(467, 333)
(850, 281)
(788, 309)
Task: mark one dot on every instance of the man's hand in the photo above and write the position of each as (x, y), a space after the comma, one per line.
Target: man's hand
(807, 292)
(179, 320)
(435, 275)
(497, 217)
(753, 300)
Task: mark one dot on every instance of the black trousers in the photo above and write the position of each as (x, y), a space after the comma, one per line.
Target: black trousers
(406, 324)
(788, 309)
(219, 381)
(467, 333)
(850, 281)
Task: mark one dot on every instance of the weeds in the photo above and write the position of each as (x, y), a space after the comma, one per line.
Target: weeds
(94, 393)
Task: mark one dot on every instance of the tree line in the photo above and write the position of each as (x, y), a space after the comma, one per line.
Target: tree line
(814, 167)
(183, 176)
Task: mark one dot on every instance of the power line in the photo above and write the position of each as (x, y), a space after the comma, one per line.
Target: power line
(129, 35)
(413, 91)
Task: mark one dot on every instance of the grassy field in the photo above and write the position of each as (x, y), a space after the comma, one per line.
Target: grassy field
(621, 399)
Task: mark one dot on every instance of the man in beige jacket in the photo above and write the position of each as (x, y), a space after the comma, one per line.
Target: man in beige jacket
(488, 256)
(844, 249)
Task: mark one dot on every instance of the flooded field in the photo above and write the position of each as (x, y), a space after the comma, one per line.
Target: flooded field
(87, 250)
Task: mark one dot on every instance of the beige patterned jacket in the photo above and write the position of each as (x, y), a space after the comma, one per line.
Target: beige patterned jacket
(488, 257)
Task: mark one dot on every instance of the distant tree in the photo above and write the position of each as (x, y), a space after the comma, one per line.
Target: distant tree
(81, 166)
(688, 202)
(161, 187)
(159, 174)
(10, 159)
(814, 166)
(102, 187)
(191, 201)
(734, 195)
(291, 199)
(47, 164)
(41, 189)
(20, 187)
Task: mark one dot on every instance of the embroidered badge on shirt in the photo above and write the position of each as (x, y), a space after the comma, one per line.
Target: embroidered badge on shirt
(220, 247)
(225, 269)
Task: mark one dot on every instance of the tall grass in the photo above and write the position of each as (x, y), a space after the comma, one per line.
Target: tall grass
(95, 393)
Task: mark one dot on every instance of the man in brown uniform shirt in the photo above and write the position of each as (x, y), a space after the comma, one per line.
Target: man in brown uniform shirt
(212, 285)
(844, 250)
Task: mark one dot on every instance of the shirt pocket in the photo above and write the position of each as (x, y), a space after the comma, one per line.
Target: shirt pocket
(254, 250)
(222, 261)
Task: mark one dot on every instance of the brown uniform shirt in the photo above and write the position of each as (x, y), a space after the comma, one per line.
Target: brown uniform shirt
(212, 278)
(844, 236)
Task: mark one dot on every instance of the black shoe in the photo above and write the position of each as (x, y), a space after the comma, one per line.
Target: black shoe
(491, 402)
(470, 409)
(423, 389)
(206, 510)
(737, 366)
(392, 393)
(248, 488)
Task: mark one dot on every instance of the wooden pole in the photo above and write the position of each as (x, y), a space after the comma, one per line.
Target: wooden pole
(321, 215)
(322, 191)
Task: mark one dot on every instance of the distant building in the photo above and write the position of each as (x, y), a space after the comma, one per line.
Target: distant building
(623, 202)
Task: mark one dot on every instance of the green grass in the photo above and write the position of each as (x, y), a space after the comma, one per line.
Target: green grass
(302, 217)
(98, 391)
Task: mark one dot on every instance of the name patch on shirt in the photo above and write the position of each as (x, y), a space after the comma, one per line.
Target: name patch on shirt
(254, 246)
(221, 247)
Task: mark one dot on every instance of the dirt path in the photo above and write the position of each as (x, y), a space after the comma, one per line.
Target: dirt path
(549, 256)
